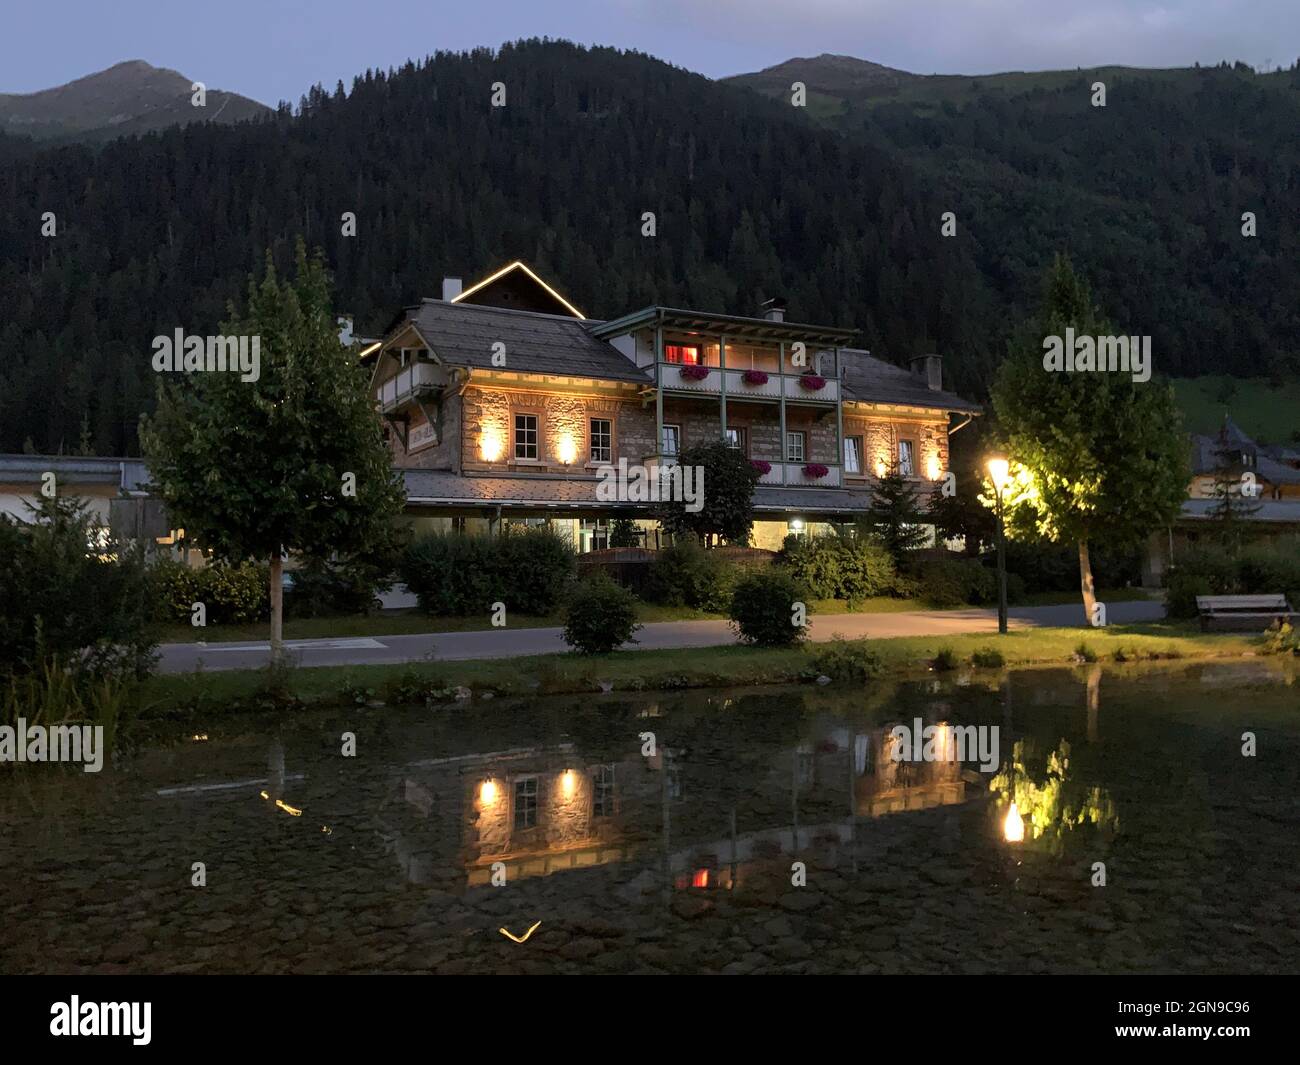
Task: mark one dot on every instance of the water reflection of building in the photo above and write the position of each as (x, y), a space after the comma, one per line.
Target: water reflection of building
(884, 784)
(543, 810)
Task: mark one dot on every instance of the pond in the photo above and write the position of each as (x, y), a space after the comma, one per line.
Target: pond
(752, 831)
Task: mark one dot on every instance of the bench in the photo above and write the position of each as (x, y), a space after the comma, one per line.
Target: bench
(1255, 611)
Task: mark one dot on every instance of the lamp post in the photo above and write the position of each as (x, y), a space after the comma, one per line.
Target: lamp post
(999, 473)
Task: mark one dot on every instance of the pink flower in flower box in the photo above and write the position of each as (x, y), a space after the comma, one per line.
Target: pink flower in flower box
(813, 382)
(763, 467)
(694, 372)
(815, 471)
(755, 377)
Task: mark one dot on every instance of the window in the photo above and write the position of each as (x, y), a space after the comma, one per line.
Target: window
(905, 465)
(602, 803)
(525, 436)
(671, 442)
(687, 354)
(596, 532)
(737, 439)
(602, 440)
(794, 446)
(526, 802)
(853, 454)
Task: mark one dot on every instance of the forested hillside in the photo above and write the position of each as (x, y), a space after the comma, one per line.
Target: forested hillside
(158, 232)
(1147, 192)
(750, 199)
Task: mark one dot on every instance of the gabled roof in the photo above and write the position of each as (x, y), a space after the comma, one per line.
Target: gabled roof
(871, 380)
(1208, 458)
(462, 334)
(515, 282)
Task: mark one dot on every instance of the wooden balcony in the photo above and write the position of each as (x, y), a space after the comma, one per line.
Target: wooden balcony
(405, 386)
(777, 385)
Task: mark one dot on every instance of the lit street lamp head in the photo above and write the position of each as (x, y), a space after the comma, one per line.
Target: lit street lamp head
(999, 472)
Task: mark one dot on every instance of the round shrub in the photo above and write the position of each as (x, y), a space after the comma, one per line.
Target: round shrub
(600, 617)
(958, 581)
(763, 608)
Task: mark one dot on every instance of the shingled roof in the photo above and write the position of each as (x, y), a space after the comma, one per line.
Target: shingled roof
(462, 334)
(871, 380)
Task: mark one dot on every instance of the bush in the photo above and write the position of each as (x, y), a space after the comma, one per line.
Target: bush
(231, 595)
(685, 574)
(762, 608)
(839, 567)
(1263, 569)
(1269, 570)
(988, 658)
(60, 600)
(601, 616)
(945, 661)
(349, 586)
(1085, 653)
(957, 581)
(1048, 567)
(846, 660)
(458, 575)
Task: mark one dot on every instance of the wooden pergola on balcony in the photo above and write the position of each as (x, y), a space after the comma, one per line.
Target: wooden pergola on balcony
(755, 360)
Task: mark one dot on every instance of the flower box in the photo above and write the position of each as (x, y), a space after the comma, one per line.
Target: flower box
(694, 372)
(763, 467)
(812, 382)
(815, 471)
(755, 377)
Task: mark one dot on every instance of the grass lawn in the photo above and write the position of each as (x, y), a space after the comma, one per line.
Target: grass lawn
(729, 666)
(1265, 411)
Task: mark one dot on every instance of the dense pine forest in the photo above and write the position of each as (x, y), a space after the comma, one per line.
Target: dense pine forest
(751, 198)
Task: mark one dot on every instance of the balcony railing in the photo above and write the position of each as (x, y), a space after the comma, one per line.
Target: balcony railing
(777, 384)
(791, 475)
(411, 380)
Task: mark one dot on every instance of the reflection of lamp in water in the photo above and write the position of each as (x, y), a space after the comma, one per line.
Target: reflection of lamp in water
(487, 792)
(1013, 825)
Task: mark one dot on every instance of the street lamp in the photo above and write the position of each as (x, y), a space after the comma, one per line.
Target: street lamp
(1000, 473)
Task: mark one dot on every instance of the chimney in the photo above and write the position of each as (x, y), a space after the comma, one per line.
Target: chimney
(931, 368)
(774, 309)
(451, 288)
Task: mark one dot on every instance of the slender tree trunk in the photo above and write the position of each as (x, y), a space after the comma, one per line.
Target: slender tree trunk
(1085, 581)
(277, 607)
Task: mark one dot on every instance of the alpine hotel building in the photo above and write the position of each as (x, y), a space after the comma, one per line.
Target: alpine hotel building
(501, 401)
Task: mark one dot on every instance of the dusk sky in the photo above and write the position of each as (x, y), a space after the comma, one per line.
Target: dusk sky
(274, 49)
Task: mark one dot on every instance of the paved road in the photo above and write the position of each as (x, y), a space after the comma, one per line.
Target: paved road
(501, 643)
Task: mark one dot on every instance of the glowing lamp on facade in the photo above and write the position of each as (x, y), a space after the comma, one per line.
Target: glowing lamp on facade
(1013, 825)
(569, 782)
(880, 467)
(487, 792)
(490, 445)
(932, 467)
(567, 449)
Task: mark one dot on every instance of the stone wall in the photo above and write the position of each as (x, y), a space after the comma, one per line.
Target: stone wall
(487, 428)
(444, 453)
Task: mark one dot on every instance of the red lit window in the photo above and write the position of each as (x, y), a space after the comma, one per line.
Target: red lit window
(701, 878)
(687, 354)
